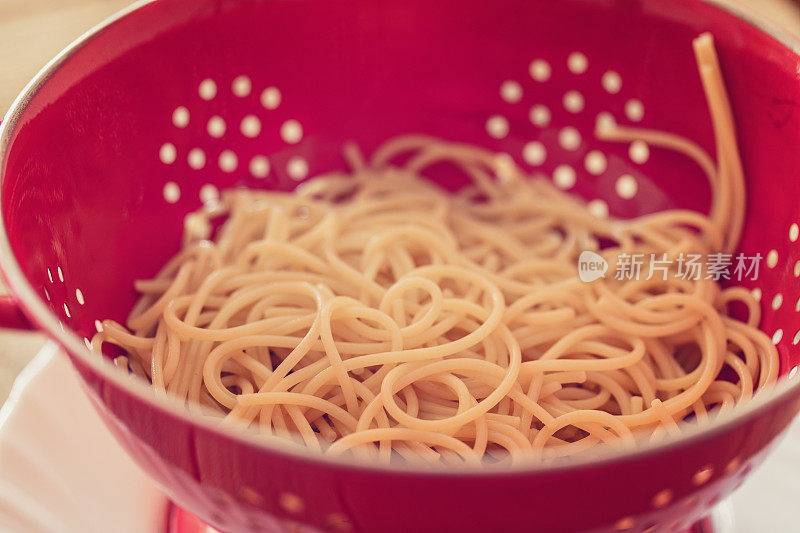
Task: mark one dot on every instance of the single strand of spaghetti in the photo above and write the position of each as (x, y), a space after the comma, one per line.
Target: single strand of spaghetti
(667, 140)
(353, 316)
(604, 312)
(513, 421)
(353, 156)
(502, 434)
(712, 355)
(169, 270)
(453, 383)
(411, 235)
(272, 306)
(282, 324)
(211, 407)
(643, 288)
(395, 380)
(385, 446)
(373, 265)
(557, 208)
(330, 187)
(560, 407)
(700, 411)
(303, 428)
(157, 359)
(121, 362)
(406, 284)
(746, 347)
(335, 264)
(287, 252)
(637, 404)
(485, 371)
(613, 388)
(740, 294)
(569, 393)
(277, 225)
(334, 357)
(569, 376)
(723, 400)
(481, 438)
(559, 291)
(231, 333)
(244, 385)
(640, 309)
(247, 365)
(526, 415)
(649, 225)
(137, 368)
(645, 380)
(398, 145)
(769, 363)
(548, 318)
(325, 429)
(581, 447)
(725, 128)
(173, 355)
(529, 337)
(212, 365)
(150, 315)
(280, 427)
(707, 76)
(501, 240)
(117, 333)
(256, 278)
(595, 401)
(490, 322)
(745, 377)
(430, 437)
(581, 339)
(666, 417)
(468, 157)
(196, 301)
(400, 313)
(427, 210)
(156, 286)
(432, 390)
(699, 305)
(305, 400)
(583, 417)
(529, 266)
(606, 363)
(621, 377)
(681, 382)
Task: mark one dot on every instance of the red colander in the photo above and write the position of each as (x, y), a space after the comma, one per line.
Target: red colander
(123, 134)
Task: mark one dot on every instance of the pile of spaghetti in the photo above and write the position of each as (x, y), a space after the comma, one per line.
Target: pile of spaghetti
(372, 313)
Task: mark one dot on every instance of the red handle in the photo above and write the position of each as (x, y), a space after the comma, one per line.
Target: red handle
(11, 315)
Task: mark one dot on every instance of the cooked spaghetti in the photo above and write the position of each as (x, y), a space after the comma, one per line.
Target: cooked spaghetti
(372, 313)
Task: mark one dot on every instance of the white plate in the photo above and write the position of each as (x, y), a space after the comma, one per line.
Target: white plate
(62, 472)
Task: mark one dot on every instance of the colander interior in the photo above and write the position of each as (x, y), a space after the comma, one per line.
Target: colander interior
(161, 111)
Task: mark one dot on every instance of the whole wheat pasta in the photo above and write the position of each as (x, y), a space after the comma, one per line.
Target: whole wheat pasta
(372, 313)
